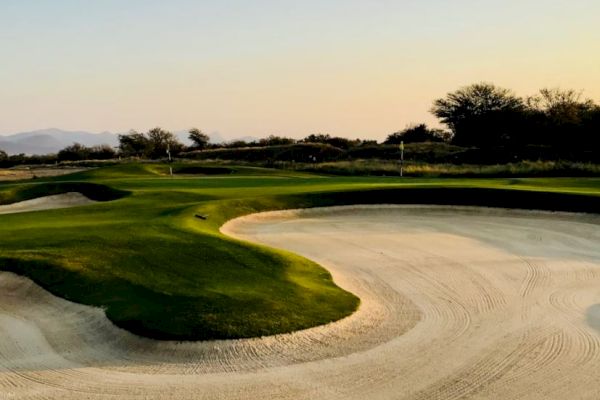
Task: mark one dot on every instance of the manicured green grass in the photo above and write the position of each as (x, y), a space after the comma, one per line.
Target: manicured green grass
(160, 272)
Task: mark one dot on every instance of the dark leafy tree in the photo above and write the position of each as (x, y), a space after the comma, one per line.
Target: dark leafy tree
(481, 115)
(5, 160)
(153, 144)
(318, 138)
(238, 143)
(159, 140)
(273, 140)
(199, 139)
(415, 134)
(75, 152)
(335, 141)
(133, 144)
(101, 152)
(562, 118)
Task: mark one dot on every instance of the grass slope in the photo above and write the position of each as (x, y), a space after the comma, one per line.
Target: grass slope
(160, 272)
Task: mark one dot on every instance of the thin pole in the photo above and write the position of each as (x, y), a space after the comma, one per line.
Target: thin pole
(169, 153)
(402, 158)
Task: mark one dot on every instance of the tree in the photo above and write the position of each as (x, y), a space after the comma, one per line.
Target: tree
(416, 133)
(133, 144)
(75, 152)
(159, 140)
(234, 144)
(4, 159)
(273, 140)
(199, 139)
(153, 144)
(101, 152)
(481, 115)
(558, 117)
(318, 138)
(335, 141)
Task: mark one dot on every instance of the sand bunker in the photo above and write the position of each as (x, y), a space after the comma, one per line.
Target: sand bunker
(456, 303)
(21, 173)
(65, 200)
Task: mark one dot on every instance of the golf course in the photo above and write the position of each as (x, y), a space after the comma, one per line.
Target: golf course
(123, 280)
(141, 253)
(327, 200)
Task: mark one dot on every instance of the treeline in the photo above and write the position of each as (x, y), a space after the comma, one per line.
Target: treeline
(19, 159)
(154, 144)
(484, 115)
(486, 122)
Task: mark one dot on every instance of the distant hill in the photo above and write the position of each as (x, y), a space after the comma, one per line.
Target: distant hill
(46, 141)
(52, 140)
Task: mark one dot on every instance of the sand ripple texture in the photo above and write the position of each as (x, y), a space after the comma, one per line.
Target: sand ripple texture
(455, 303)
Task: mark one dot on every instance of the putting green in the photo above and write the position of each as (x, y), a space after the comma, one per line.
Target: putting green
(158, 271)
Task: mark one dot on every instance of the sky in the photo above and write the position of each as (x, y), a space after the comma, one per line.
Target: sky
(344, 67)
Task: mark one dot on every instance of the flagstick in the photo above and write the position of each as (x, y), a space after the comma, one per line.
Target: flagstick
(402, 158)
(169, 153)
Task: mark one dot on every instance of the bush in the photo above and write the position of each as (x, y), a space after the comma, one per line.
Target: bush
(426, 152)
(102, 152)
(416, 134)
(300, 152)
(339, 142)
(79, 152)
(75, 152)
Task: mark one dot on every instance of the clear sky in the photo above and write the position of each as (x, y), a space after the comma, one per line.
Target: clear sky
(258, 67)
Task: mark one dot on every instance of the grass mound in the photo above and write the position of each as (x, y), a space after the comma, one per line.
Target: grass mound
(17, 193)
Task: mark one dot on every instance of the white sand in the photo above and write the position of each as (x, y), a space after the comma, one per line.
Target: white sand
(456, 303)
(65, 200)
(21, 173)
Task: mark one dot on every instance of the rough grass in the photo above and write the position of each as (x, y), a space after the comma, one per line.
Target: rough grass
(392, 168)
(160, 272)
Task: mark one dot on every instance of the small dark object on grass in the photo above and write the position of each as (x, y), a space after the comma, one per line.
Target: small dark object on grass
(201, 216)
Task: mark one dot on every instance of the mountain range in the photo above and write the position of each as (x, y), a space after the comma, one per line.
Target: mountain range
(46, 141)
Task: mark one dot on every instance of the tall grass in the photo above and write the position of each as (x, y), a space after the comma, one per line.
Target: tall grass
(388, 168)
